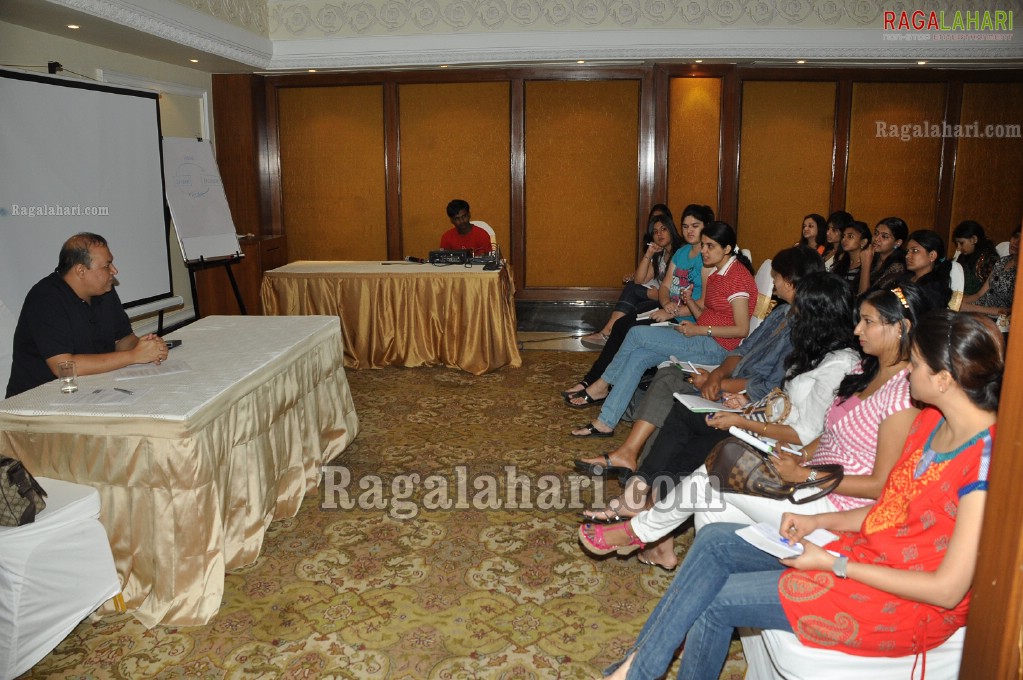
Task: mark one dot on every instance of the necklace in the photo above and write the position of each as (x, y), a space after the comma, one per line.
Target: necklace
(931, 456)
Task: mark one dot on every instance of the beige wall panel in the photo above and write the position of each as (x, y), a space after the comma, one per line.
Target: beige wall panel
(888, 176)
(787, 141)
(581, 182)
(454, 144)
(332, 172)
(989, 170)
(694, 139)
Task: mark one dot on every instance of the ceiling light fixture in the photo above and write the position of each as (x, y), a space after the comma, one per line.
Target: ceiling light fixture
(312, 70)
(443, 65)
(74, 26)
(194, 61)
(801, 61)
(921, 63)
(581, 61)
(699, 61)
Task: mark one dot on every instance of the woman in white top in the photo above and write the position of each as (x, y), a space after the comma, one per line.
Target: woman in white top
(864, 431)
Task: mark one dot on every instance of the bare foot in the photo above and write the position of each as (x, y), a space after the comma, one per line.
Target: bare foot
(660, 554)
(617, 509)
(622, 671)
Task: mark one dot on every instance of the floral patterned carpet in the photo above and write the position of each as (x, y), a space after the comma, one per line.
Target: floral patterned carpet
(442, 544)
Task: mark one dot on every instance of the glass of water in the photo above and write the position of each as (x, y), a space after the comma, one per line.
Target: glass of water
(68, 377)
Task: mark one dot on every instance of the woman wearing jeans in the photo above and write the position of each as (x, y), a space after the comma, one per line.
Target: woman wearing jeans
(897, 579)
(722, 321)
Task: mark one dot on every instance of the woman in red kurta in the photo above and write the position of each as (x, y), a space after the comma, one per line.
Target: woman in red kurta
(898, 578)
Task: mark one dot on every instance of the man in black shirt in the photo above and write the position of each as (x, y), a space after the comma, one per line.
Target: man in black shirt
(75, 314)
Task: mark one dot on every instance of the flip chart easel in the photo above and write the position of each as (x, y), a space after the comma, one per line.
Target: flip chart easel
(198, 206)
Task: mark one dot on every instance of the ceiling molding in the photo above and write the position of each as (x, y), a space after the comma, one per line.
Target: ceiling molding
(180, 24)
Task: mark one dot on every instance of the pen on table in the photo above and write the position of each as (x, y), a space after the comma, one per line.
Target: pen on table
(119, 389)
(692, 367)
(794, 452)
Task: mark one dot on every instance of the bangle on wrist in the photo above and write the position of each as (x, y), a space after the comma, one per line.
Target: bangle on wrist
(710, 331)
(812, 477)
(765, 428)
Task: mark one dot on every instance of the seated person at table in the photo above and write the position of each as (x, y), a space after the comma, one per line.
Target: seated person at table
(74, 314)
(464, 235)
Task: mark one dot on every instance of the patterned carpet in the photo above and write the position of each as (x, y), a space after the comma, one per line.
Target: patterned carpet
(420, 558)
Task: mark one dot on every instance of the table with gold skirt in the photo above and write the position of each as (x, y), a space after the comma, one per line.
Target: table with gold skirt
(193, 466)
(403, 314)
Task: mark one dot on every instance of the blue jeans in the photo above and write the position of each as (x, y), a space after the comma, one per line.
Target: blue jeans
(723, 582)
(644, 348)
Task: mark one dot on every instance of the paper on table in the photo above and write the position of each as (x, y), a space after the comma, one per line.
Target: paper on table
(766, 537)
(101, 397)
(666, 323)
(698, 404)
(168, 367)
(645, 315)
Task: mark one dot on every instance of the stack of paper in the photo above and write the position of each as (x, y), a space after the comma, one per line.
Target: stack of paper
(766, 537)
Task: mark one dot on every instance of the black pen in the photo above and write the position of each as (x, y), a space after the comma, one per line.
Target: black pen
(124, 390)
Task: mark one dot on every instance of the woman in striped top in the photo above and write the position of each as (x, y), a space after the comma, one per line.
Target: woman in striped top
(863, 431)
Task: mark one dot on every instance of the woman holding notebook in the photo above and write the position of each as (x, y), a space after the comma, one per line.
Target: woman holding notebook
(862, 430)
(897, 579)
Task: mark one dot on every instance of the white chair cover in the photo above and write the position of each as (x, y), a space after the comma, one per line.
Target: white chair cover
(1003, 249)
(490, 230)
(957, 282)
(776, 655)
(53, 573)
(765, 289)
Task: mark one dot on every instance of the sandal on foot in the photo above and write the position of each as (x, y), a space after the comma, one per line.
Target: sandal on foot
(607, 469)
(592, 431)
(594, 344)
(588, 401)
(593, 539)
(639, 558)
(570, 394)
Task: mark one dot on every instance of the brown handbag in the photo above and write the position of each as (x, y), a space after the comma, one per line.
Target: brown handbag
(21, 497)
(741, 468)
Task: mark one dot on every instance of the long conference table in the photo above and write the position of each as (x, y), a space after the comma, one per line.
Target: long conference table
(403, 314)
(193, 466)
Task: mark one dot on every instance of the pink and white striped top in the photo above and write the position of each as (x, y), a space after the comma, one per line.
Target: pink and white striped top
(850, 438)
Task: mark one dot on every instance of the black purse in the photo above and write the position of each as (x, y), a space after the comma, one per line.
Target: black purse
(741, 468)
(21, 497)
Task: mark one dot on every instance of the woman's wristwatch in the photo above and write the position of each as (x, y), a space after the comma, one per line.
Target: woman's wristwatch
(840, 566)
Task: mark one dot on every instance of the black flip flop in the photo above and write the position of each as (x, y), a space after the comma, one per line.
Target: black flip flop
(588, 401)
(568, 394)
(592, 431)
(606, 470)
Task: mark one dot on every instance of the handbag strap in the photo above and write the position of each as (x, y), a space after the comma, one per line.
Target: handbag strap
(828, 478)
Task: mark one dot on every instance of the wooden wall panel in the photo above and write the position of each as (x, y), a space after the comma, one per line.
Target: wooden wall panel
(888, 176)
(694, 138)
(785, 161)
(581, 182)
(989, 171)
(454, 144)
(238, 119)
(332, 172)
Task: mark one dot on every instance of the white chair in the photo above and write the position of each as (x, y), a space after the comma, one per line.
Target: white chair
(490, 230)
(765, 289)
(776, 655)
(53, 573)
(957, 282)
(1003, 249)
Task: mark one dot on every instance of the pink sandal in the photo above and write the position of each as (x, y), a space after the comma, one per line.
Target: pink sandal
(592, 538)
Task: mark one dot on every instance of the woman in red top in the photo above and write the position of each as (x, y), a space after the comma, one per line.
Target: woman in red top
(898, 578)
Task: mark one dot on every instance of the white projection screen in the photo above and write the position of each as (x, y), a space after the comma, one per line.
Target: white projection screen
(78, 156)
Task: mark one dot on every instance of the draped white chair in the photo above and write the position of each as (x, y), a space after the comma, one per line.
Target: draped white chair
(490, 230)
(53, 573)
(1002, 249)
(777, 655)
(957, 282)
(765, 289)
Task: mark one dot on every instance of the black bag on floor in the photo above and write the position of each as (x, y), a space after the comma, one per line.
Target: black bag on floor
(21, 497)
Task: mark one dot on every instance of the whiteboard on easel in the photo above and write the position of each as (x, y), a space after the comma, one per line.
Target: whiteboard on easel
(198, 205)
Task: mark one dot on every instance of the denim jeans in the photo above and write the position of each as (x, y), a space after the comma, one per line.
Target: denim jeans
(644, 348)
(723, 582)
